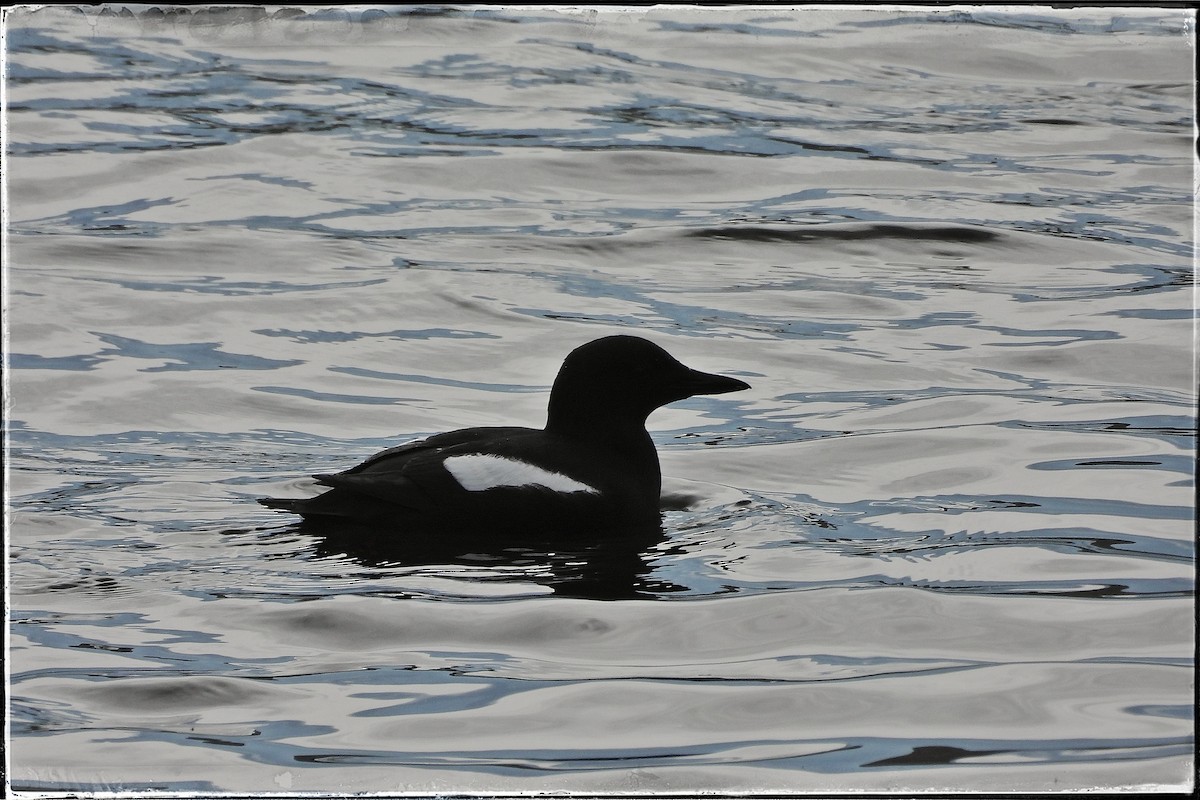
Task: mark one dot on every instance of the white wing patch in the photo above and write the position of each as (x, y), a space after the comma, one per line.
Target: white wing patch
(478, 473)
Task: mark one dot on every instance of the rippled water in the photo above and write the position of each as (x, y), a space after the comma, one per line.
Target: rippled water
(946, 541)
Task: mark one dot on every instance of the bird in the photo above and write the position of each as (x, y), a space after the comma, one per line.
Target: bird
(592, 467)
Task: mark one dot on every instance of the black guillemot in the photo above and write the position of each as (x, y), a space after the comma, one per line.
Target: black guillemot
(592, 467)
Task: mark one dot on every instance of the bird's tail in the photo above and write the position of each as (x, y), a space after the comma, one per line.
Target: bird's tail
(294, 505)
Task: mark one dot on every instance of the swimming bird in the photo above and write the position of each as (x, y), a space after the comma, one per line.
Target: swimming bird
(593, 466)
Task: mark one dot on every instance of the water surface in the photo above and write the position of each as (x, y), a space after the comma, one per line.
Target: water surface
(946, 541)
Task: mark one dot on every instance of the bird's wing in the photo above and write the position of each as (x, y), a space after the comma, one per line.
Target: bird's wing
(394, 456)
(390, 487)
(411, 476)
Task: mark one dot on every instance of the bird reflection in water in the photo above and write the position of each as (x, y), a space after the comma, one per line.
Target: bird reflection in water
(615, 566)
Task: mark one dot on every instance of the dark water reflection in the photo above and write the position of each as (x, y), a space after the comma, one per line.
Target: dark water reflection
(614, 565)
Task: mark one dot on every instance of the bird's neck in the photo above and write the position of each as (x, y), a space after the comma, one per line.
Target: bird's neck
(597, 426)
(623, 433)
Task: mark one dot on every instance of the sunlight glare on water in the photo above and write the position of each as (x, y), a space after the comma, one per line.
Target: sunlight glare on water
(944, 542)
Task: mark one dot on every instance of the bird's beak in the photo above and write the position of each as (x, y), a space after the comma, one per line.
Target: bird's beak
(696, 382)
